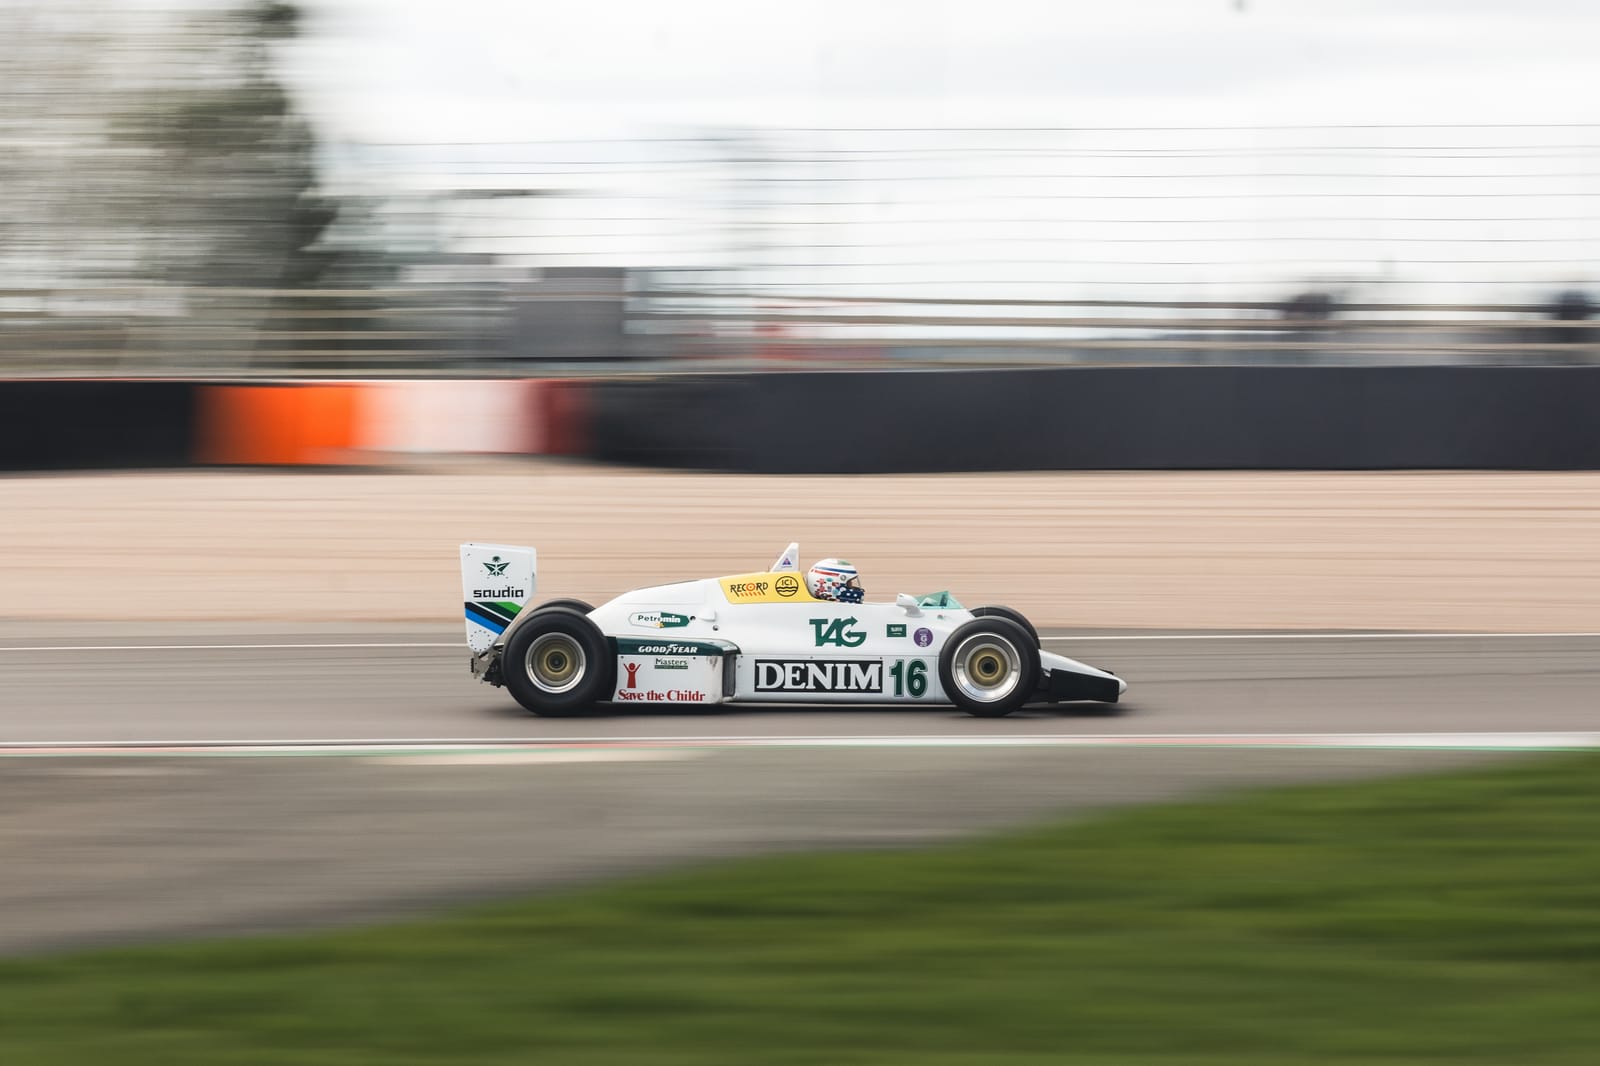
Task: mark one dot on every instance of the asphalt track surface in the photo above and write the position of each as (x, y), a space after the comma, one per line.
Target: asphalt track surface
(430, 788)
(129, 685)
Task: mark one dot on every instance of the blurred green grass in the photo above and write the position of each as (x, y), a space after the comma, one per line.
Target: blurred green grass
(1452, 918)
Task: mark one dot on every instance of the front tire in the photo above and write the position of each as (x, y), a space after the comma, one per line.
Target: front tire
(989, 667)
(1010, 615)
(558, 663)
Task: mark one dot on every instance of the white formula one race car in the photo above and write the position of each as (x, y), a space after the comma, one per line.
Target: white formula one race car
(754, 638)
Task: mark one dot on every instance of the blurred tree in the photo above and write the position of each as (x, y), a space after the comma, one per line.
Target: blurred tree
(239, 205)
(64, 213)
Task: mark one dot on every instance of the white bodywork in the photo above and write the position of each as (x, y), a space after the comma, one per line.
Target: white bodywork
(762, 637)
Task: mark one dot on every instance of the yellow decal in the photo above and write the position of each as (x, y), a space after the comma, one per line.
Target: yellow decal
(785, 587)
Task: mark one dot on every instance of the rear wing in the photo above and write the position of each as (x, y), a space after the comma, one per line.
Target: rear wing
(497, 581)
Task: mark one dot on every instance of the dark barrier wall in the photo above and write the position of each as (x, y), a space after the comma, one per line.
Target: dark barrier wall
(1306, 418)
(697, 422)
(63, 425)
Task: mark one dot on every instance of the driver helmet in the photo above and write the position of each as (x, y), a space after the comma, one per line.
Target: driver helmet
(835, 579)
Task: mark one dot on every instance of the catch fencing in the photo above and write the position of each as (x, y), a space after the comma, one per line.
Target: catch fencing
(818, 248)
(606, 322)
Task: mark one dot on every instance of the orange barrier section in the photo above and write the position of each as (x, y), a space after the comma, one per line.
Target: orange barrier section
(277, 425)
(318, 424)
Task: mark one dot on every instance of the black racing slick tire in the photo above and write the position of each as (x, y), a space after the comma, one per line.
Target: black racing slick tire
(1012, 615)
(989, 667)
(558, 664)
(572, 605)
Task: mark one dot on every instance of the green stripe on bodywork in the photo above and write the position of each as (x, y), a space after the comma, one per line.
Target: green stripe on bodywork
(504, 612)
(494, 610)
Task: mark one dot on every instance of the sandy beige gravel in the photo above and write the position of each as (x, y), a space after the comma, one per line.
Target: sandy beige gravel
(1431, 551)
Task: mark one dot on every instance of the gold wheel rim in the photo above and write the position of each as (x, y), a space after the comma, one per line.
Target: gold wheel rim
(987, 668)
(555, 663)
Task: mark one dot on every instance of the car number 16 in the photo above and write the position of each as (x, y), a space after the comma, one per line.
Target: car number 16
(910, 677)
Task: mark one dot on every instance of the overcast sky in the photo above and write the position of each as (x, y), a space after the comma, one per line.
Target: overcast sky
(508, 69)
(465, 72)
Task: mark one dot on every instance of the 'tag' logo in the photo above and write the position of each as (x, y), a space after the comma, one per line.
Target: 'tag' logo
(833, 632)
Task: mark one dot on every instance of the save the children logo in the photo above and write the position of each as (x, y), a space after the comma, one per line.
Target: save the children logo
(633, 674)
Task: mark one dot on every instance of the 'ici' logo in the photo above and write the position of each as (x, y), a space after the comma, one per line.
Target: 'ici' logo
(633, 674)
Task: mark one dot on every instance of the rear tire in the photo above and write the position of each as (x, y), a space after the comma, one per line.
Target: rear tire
(558, 664)
(571, 605)
(1011, 615)
(989, 667)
